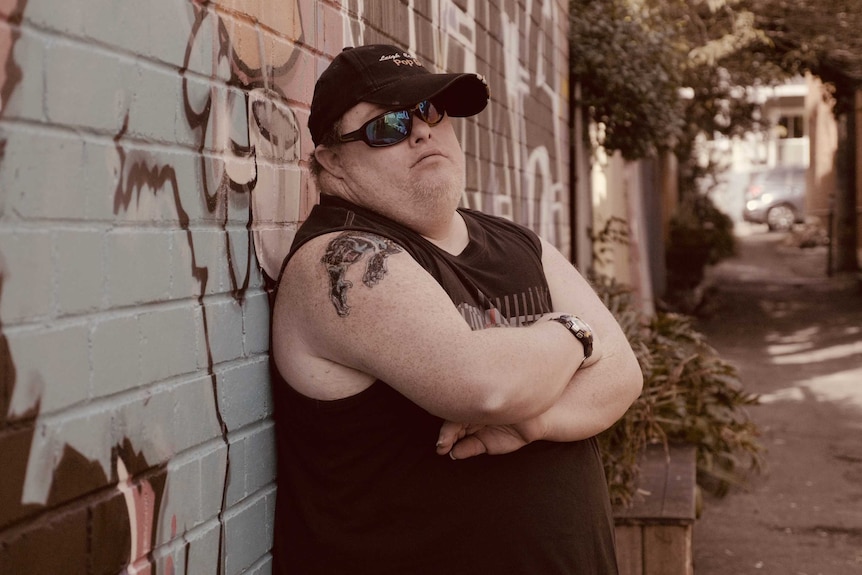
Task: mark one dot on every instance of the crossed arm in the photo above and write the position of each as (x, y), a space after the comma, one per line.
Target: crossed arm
(339, 325)
(597, 395)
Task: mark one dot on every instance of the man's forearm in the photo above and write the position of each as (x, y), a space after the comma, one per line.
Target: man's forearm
(596, 397)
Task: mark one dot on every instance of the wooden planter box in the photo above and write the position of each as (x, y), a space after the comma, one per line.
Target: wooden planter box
(653, 536)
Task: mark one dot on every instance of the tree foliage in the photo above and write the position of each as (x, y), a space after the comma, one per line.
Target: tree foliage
(820, 37)
(628, 64)
(632, 57)
(817, 36)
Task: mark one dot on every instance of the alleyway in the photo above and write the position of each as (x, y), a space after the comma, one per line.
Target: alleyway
(796, 337)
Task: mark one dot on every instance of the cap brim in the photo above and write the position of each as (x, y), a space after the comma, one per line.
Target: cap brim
(461, 95)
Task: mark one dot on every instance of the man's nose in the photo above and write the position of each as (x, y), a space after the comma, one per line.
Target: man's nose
(421, 129)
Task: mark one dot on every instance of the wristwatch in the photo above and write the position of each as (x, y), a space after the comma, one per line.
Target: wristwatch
(580, 329)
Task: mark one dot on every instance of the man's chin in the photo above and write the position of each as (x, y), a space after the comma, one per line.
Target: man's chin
(443, 194)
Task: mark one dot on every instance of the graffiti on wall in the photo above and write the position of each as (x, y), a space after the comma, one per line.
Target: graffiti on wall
(237, 214)
(246, 139)
(521, 177)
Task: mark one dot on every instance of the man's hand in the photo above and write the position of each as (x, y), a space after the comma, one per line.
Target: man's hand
(461, 440)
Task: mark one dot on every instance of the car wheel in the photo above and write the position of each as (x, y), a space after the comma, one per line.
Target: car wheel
(780, 218)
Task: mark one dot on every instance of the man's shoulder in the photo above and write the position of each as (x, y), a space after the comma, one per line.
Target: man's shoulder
(331, 253)
(337, 215)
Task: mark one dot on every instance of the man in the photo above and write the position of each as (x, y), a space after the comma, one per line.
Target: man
(411, 439)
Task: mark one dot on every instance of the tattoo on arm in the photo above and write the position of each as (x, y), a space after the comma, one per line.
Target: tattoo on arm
(347, 249)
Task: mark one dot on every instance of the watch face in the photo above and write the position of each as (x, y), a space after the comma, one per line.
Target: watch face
(583, 328)
(580, 330)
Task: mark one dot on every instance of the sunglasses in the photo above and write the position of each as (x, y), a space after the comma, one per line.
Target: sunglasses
(389, 128)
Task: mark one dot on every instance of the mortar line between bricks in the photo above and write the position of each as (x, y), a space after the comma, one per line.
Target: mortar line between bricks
(197, 452)
(249, 501)
(109, 226)
(249, 429)
(57, 37)
(30, 225)
(203, 528)
(49, 515)
(120, 312)
(261, 562)
(115, 52)
(77, 133)
(181, 539)
(114, 401)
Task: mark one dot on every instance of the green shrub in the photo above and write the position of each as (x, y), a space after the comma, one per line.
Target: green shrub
(690, 395)
(698, 223)
(700, 235)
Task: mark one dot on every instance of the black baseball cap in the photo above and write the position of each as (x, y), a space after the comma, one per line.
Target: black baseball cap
(392, 77)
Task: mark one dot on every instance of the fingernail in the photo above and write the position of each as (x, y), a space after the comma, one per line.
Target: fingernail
(452, 455)
(439, 443)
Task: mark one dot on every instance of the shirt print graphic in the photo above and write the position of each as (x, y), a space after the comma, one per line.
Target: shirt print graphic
(513, 310)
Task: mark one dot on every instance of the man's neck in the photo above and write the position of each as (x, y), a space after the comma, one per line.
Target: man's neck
(452, 239)
(449, 232)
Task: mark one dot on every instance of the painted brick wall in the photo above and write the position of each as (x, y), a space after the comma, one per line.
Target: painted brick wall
(152, 174)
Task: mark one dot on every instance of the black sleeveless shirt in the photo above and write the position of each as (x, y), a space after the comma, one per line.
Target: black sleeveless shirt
(360, 486)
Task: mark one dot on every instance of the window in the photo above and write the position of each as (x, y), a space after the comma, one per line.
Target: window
(791, 127)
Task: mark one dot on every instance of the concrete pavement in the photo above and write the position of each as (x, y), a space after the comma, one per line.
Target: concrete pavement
(796, 337)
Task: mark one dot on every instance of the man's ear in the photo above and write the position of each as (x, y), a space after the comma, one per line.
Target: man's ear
(329, 159)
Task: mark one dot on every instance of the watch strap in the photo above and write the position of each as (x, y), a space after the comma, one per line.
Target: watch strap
(580, 329)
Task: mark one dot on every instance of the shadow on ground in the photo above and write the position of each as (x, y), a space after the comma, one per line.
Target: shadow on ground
(796, 337)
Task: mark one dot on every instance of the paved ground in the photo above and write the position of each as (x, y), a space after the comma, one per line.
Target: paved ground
(796, 337)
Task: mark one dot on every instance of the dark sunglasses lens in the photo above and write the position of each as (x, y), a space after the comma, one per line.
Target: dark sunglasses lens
(389, 129)
(430, 113)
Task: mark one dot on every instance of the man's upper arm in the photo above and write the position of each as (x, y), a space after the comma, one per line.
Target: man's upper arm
(361, 302)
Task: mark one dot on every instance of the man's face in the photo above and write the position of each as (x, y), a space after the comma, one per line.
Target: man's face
(425, 170)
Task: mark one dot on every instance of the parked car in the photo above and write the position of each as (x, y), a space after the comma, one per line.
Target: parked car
(776, 197)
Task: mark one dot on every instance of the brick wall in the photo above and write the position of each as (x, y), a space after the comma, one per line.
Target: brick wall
(151, 175)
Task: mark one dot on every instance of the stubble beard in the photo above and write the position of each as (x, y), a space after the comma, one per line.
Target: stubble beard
(440, 193)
